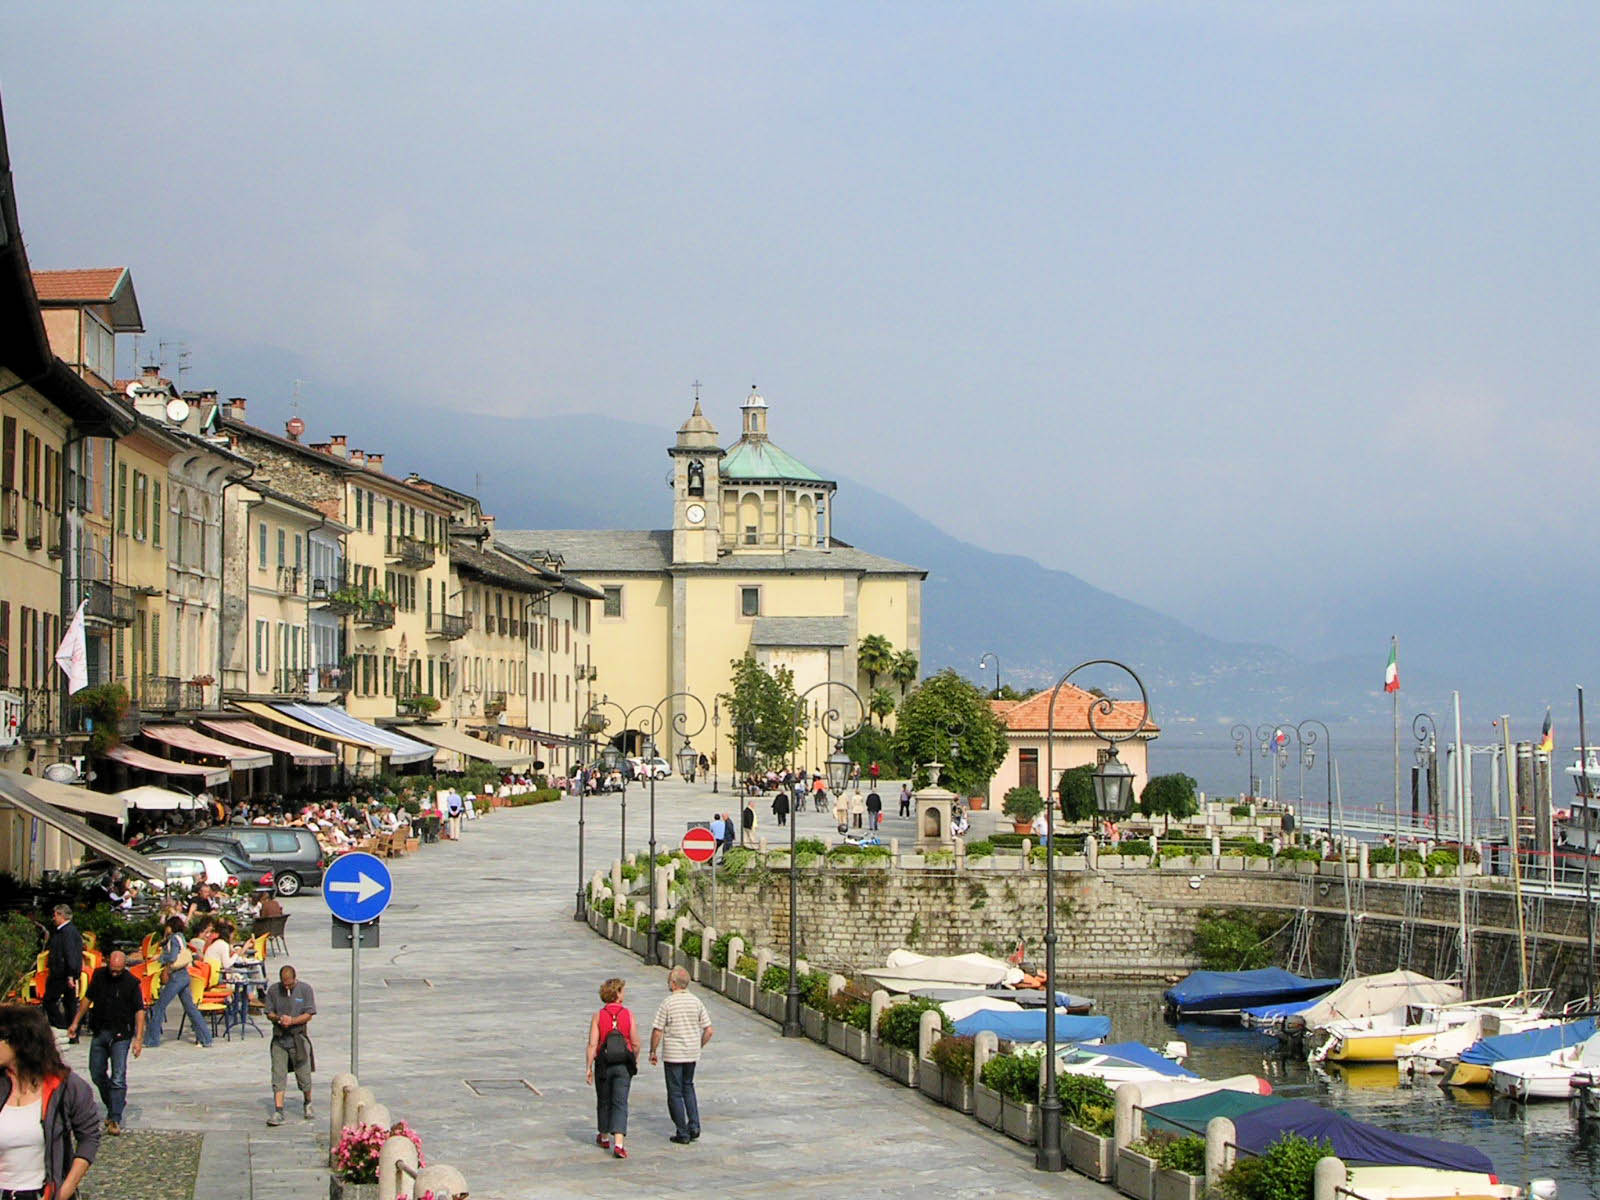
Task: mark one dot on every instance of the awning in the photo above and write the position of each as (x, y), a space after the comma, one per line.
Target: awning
(77, 799)
(460, 743)
(157, 799)
(532, 735)
(336, 720)
(268, 713)
(299, 753)
(127, 755)
(16, 790)
(181, 737)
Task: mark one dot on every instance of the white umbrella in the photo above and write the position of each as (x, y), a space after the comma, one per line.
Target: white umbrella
(153, 798)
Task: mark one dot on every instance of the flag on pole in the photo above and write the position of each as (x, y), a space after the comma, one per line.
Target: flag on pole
(72, 656)
(1547, 739)
(1391, 673)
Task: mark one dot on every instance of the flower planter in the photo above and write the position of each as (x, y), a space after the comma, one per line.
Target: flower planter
(814, 1023)
(1089, 1153)
(1023, 827)
(1136, 1174)
(1112, 862)
(1334, 870)
(903, 1066)
(770, 1004)
(712, 976)
(1258, 864)
(1177, 1185)
(956, 1092)
(987, 1106)
(1019, 1121)
(680, 959)
(836, 1035)
(856, 1044)
(930, 1080)
(880, 1057)
(338, 1189)
(664, 954)
(1072, 862)
(741, 990)
(1176, 862)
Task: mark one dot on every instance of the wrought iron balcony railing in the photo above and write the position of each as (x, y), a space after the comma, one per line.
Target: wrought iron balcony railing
(409, 551)
(111, 603)
(449, 626)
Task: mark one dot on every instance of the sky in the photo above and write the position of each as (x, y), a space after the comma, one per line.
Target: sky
(1277, 317)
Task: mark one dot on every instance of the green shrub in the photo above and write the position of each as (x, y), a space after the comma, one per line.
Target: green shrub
(1384, 856)
(1186, 1154)
(1084, 1100)
(814, 991)
(641, 922)
(739, 860)
(538, 796)
(982, 848)
(1014, 1076)
(1007, 841)
(1247, 848)
(20, 942)
(855, 1013)
(1022, 803)
(954, 1055)
(693, 943)
(719, 948)
(1240, 812)
(746, 966)
(940, 858)
(899, 1025)
(665, 928)
(631, 872)
(810, 846)
(1233, 941)
(1284, 1171)
(1299, 854)
(607, 908)
(774, 979)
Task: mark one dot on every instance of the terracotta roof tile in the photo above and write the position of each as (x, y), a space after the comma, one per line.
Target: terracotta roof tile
(1072, 713)
(94, 284)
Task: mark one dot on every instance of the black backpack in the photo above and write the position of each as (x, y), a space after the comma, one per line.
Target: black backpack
(614, 1050)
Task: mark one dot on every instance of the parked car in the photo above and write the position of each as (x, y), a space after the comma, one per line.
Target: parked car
(650, 768)
(187, 867)
(293, 854)
(207, 843)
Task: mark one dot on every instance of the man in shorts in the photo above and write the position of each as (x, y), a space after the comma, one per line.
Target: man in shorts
(290, 1005)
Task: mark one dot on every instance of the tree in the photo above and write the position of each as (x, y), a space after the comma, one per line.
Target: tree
(946, 708)
(1007, 692)
(875, 656)
(905, 670)
(1076, 790)
(763, 703)
(881, 703)
(1169, 796)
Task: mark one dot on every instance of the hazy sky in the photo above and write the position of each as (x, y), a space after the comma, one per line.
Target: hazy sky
(1260, 313)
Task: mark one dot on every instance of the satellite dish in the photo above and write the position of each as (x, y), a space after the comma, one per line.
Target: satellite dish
(61, 772)
(133, 389)
(177, 410)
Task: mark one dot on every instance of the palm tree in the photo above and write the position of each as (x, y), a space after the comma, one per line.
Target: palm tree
(881, 704)
(905, 670)
(875, 656)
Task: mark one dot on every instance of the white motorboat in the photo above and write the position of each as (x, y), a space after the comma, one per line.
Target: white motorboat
(907, 971)
(1580, 828)
(1548, 1076)
(1436, 1054)
(1370, 996)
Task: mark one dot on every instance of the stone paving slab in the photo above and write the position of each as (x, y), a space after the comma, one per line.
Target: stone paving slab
(156, 1164)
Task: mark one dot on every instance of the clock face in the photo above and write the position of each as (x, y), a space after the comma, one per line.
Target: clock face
(695, 513)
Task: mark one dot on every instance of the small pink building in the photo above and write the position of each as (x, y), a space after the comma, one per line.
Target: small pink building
(1075, 743)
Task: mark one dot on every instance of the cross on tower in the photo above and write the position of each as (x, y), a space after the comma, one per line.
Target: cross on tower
(696, 386)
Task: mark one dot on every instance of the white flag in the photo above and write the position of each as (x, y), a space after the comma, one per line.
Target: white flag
(73, 654)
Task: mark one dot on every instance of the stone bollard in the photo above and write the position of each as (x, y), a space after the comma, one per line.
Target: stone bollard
(894, 851)
(440, 1180)
(880, 1001)
(1091, 852)
(663, 877)
(375, 1114)
(392, 1182)
(679, 928)
(1126, 1129)
(616, 879)
(354, 1102)
(1155, 849)
(763, 961)
(1216, 845)
(961, 853)
(1220, 1136)
(1277, 846)
(1329, 1179)
(836, 984)
(708, 939)
(802, 967)
(596, 882)
(1027, 850)
(1363, 862)
(340, 1088)
(735, 952)
(761, 846)
(985, 1045)
(929, 1027)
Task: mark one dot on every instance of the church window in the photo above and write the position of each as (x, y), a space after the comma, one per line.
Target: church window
(613, 601)
(750, 602)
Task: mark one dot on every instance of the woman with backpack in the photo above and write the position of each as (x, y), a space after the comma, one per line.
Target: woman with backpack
(613, 1061)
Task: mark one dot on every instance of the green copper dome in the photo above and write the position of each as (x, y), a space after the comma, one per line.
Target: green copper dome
(757, 458)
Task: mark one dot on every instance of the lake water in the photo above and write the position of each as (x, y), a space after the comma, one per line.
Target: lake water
(1534, 1141)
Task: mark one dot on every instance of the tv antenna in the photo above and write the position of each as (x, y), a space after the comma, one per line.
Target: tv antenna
(183, 359)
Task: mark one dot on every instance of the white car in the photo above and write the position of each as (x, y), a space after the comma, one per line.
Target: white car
(185, 868)
(650, 768)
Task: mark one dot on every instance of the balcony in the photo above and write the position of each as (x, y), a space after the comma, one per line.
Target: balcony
(194, 695)
(111, 603)
(449, 626)
(160, 693)
(494, 703)
(289, 580)
(35, 524)
(375, 614)
(52, 537)
(408, 551)
(290, 682)
(10, 514)
(333, 679)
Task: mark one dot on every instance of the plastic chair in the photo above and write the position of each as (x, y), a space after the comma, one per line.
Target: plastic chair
(91, 941)
(272, 929)
(200, 975)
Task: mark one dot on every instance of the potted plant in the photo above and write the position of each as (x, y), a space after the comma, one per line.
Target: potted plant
(1181, 1169)
(773, 995)
(1015, 1077)
(1090, 1109)
(422, 703)
(355, 1159)
(953, 1056)
(1022, 805)
(899, 1027)
(856, 1015)
(1136, 1169)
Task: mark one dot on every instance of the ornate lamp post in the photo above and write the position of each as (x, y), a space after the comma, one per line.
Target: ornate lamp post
(1241, 744)
(612, 757)
(1427, 735)
(593, 723)
(716, 726)
(987, 655)
(1308, 757)
(1274, 740)
(680, 726)
(1113, 798)
(838, 766)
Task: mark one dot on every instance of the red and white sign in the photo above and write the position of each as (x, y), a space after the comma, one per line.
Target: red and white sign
(699, 845)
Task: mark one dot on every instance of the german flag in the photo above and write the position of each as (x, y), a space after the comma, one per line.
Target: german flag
(1547, 739)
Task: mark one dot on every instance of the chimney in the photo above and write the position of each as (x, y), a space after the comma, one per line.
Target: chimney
(294, 426)
(357, 458)
(152, 371)
(234, 410)
(323, 447)
(336, 444)
(375, 462)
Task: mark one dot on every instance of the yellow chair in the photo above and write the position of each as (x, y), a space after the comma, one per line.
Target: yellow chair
(213, 1010)
(91, 940)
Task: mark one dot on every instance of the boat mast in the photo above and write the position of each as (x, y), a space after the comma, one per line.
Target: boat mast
(1348, 967)
(1514, 840)
(1588, 841)
(1461, 852)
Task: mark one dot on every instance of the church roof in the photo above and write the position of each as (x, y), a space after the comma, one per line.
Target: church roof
(757, 458)
(617, 551)
(801, 631)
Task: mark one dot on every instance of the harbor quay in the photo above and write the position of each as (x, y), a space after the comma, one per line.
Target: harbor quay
(474, 1011)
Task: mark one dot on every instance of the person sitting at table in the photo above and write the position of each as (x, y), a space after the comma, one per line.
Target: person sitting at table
(218, 945)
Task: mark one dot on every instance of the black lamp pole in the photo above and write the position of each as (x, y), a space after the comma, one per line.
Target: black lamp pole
(716, 726)
(1308, 742)
(987, 655)
(680, 722)
(838, 767)
(1241, 743)
(1113, 793)
(1427, 735)
(627, 722)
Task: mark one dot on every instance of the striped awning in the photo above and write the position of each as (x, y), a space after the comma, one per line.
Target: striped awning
(335, 720)
(460, 743)
(181, 737)
(139, 759)
(268, 713)
(251, 734)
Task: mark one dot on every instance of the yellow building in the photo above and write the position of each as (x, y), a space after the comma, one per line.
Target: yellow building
(750, 566)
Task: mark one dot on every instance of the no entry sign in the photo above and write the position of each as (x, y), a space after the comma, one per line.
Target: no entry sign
(698, 845)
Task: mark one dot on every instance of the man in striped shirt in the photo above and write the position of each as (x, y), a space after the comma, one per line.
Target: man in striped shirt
(681, 1027)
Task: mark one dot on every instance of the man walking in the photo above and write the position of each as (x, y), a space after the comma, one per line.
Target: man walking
(290, 1005)
(64, 963)
(875, 808)
(905, 799)
(113, 1008)
(681, 1027)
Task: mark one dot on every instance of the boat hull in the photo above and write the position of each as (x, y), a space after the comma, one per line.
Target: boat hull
(1470, 1075)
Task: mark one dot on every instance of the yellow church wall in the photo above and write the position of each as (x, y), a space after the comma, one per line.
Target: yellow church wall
(632, 653)
(883, 606)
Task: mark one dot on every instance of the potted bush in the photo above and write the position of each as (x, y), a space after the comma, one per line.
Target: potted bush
(355, 1160)
(1016, 1078)
(855, 1016)
(1181, 1169)
(774, 993)
(1090, 1110)
(953, 1056)
(898, 1028)
(987, 1103)
(1136, 1169)
(1022, 805)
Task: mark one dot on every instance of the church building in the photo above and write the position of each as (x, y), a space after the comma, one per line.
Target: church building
(752, 565)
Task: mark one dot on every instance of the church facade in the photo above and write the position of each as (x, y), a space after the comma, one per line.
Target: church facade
(749, 565)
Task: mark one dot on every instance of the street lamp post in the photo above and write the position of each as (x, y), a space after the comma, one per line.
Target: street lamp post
(1113, 797)
(680, 726)
(593, 722)
(613, 757)
(1273, 741)
(716, 726)
(1242, 742)
(1308, 757)
(838, 765)
(1427, 735)
(987, 655)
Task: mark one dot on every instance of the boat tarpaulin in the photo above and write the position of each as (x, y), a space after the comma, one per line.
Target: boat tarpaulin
(1028, 1026)
(1530, 1043)
(456, 742)
(1269, 1012)
(251, 734)
(16, 790)
(129, 756)
(1228, 991)
(401, 749)
(1373, 994)
(1191, 1116)
(181, 737)
(1139, 1055)
(1354, 1141)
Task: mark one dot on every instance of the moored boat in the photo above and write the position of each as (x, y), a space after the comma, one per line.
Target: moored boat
(1547, 1076)
(1222, 995)
(1474, 1067)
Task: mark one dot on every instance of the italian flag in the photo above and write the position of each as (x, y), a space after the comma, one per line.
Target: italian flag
(1391, 673)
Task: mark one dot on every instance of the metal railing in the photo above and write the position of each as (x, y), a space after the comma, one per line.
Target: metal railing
(291, 681)
(35, 531)
(160, 693)
(108, 602)
(10, 513)
(289, 580)
(449, 626)
(410, 551)
(375, 614)
(333, 679)
(194, 695)
(494, 703)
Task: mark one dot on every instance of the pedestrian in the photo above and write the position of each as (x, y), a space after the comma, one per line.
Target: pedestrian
(819, 792)
(290, 1005)
(612, 1060)
(780, 808)
(747, 823)
(176, 958)
(113, 1009)
(875, 807)
(719, 831)
(858, 810)
(874, 772)
(64, 961)
(49, 1122)
(680, 1030)
(841, 811)
(905, 799)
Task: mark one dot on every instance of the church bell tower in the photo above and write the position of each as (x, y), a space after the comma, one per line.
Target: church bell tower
(696, 491)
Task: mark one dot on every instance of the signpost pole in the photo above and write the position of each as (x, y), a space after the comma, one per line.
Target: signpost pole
(355, 1000)
(712, 867)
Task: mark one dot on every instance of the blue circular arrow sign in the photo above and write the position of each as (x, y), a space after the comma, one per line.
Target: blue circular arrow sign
(357, 887)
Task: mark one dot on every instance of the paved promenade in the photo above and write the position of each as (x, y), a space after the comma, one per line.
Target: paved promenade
(482, 990)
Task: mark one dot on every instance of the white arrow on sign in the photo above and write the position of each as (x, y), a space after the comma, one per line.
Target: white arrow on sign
(365, 887)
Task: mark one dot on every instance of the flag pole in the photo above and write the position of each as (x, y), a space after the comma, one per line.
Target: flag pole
(1394, 699)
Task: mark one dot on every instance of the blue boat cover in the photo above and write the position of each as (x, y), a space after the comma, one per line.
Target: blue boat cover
(1268, 1012)
(1354, 1141)
(1139, 1055)
(1530, 1043)
(1028, 1026)
(1235, 989)
(1179, 1117)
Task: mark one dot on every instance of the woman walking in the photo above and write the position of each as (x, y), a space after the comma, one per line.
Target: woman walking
(613, 1061)
(780, 808)
(49, 1121)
